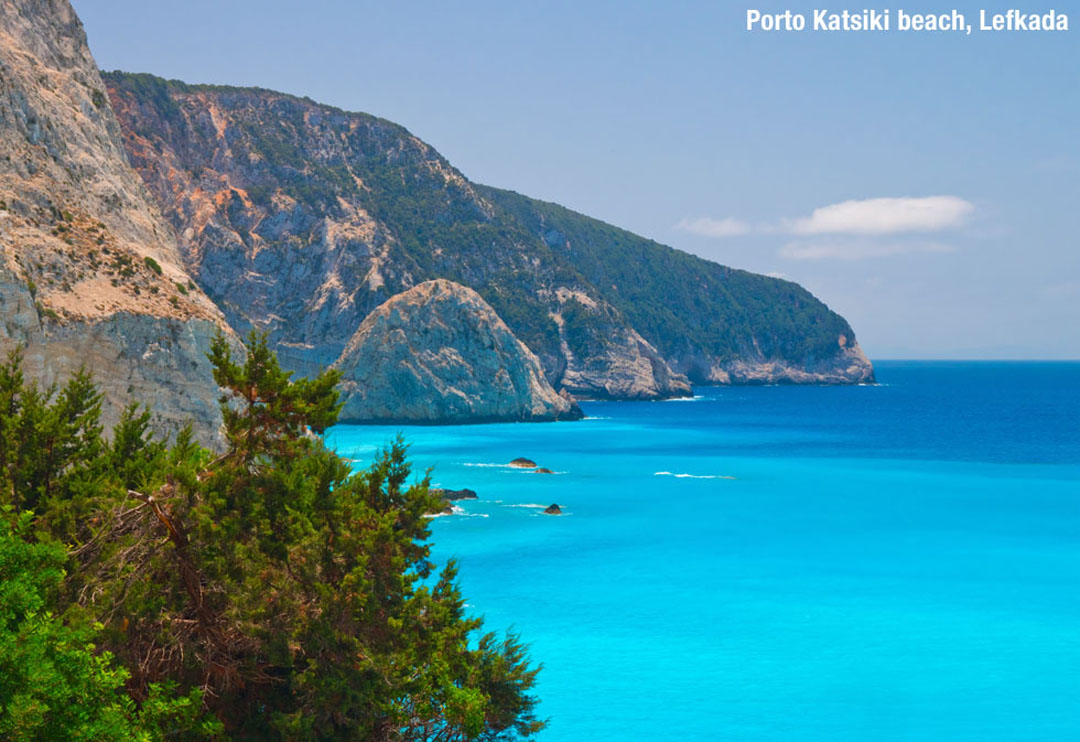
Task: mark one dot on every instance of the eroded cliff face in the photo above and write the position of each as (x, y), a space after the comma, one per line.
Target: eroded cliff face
(300, 219)
(712, 324)
(848, 365)
(606, 359)
(90, 272)
(438, 353)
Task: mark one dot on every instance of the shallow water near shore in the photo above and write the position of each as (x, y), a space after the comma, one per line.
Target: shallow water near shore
(897, 562)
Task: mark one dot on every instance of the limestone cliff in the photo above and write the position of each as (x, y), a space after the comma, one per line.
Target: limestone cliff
(90, 273)
(606, 359)
(438, 353)
(300, 218)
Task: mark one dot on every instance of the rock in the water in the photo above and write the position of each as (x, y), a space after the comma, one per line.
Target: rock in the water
(462, 494)
(553, 509)
(543, 470)
(438, 353)
(523, 463)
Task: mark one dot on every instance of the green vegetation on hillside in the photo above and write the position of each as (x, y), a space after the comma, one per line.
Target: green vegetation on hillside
(515, 251)
(317, 154)
(151, 591)
(677, 300)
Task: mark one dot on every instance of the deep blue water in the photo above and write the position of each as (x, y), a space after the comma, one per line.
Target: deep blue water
(899, 562)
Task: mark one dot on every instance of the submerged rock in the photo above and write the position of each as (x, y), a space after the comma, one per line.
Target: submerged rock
(553, 509)
(523, 463)
(462, 494)
(438, 353)
(543, 470)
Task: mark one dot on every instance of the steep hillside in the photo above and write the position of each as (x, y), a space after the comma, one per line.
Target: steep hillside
(300, 219)
(90, 273)
(717, 325)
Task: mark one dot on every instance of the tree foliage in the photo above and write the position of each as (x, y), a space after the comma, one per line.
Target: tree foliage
(53, 684)
(268, 586)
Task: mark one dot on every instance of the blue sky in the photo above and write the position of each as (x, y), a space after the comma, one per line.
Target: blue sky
(926, 185)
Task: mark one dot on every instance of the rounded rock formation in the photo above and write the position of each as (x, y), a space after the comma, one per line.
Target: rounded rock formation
(439, 354)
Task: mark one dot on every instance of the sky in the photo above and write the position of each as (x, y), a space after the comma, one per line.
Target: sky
(924, 185)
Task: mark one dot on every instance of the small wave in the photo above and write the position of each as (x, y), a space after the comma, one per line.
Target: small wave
(510, 469)
(597, 417)
(695, 398)
(527, 505)
(455, 510)
(691, 476)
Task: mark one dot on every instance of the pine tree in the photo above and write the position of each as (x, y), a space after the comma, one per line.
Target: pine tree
(294, 597)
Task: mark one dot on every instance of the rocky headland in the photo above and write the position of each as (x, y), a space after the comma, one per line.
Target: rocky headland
(438, 353)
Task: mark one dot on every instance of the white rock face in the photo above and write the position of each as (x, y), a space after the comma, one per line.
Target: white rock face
(606, 359)
(848, 366)
(437, 354)
(90, 272)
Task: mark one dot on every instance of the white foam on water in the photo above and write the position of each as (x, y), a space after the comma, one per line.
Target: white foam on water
(691, 476)
(455, 510)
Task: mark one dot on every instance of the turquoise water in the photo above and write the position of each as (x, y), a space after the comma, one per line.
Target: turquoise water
(899, 562)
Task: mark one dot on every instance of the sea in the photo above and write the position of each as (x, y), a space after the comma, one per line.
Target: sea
(889, 562)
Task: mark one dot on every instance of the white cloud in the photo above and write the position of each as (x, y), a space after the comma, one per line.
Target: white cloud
(865, 217)
(878, 216)
(709, 227)
(857, 249)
